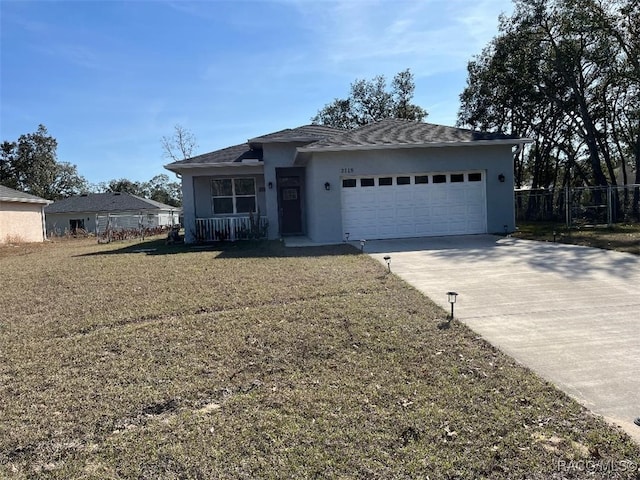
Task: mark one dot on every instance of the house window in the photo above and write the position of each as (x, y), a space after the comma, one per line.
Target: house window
(475, 177)
(233, 195)
(289, 194)
(349, 183)
(439, 179)
(403, 181)
(367, 182)
(384, 181)
(457, 177)
(422, 179)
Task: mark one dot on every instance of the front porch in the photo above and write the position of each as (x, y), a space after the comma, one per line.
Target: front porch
(248, 227)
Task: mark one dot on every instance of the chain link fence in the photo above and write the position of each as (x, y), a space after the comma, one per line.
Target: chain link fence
(580, 205)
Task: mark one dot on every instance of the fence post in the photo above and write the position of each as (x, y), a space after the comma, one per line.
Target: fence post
(609, 206)
(567, 206)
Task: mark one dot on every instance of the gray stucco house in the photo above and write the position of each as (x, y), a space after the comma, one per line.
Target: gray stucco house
(390, 179)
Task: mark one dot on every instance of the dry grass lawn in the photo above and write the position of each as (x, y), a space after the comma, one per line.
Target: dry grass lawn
(258, 362)
(623, 238)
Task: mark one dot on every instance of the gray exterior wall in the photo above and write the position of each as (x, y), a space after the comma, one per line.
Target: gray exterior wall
(276, 156)
(196, 193)
(322, 209)
(324, 220)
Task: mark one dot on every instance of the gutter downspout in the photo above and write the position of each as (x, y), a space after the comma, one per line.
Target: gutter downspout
(44, 224)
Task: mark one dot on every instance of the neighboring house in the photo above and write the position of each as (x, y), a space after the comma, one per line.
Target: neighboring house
(21, 216)
(92, 210)
(390, 179)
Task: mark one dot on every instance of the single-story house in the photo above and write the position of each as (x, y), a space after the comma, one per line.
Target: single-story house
(390, 179)
(21, 216)
(90, 212)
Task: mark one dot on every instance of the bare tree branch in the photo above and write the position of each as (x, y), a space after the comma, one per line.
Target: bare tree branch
(180, 145)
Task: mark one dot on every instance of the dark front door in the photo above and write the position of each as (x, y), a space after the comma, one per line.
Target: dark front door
(290, 210)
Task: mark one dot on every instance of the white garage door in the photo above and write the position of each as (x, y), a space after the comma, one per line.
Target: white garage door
(429, 204)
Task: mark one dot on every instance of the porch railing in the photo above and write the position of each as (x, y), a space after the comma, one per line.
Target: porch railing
(250, 227)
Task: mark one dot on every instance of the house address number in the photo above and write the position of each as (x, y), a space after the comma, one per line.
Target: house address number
(346, 170)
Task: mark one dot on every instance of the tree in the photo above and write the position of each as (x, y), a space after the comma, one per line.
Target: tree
(160, 189)
(30, 164)
(8, 153)
(125, 186)
(566, 73)
(370, 101)
(67, 182)
(180, 145)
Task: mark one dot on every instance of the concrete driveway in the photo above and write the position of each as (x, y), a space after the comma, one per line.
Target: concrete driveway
(570, 313)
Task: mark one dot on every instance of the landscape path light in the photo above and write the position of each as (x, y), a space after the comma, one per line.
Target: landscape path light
(387, 259)
(451, 296)
(362, 243)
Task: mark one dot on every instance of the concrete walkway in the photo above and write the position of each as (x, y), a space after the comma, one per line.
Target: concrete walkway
(570, 313)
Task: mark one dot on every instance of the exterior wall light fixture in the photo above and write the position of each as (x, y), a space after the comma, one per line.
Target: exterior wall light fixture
(327, 186)
(270, 185)
(346, 236)
(362, 244)
(451, 296)
(387, 259)
(501, 178)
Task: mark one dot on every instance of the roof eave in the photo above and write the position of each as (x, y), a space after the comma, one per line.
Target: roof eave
(261, 141)
(394, 146)
(111, 210)
(196, 166)
(25, 200)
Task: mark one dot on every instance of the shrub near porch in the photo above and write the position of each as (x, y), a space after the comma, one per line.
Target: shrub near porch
(260, 362)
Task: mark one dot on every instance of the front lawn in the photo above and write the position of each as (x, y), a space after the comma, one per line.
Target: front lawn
(145, 361)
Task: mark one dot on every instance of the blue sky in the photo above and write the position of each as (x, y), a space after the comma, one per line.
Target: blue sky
(109, 78)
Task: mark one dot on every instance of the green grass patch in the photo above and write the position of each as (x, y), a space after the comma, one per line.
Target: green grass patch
(140, 360)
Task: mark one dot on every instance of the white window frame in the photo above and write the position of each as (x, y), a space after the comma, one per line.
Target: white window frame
(233, 196)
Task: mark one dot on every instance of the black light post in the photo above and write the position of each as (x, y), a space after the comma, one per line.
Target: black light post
(451, 296)
(387, 259)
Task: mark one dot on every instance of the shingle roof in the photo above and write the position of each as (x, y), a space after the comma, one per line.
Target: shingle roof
(392, 131)
(105, 202)
(234, 154)
(252, 150)
(10, 195)
(306, 133)
(385, 133)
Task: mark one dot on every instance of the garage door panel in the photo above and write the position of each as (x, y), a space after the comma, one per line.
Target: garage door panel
(415, 209)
